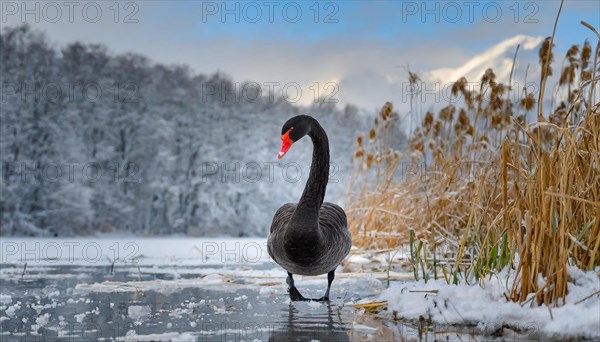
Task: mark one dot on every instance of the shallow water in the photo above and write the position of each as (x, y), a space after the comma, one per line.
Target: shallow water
(187, 290)
(68, 303)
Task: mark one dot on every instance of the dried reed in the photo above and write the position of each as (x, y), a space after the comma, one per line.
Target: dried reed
(481, 189)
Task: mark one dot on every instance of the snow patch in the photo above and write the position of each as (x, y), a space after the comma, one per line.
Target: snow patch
(5, 299)
(10, 311)
(170, 336)
(136, 312)
(488, 307)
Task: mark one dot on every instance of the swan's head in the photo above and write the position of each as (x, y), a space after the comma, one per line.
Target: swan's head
(293, 130)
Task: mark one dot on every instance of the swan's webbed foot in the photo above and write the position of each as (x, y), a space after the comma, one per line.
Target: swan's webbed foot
(330, 277)
(295, 295)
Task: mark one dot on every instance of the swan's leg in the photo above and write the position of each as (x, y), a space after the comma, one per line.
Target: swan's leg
(330, 277)
(294, 293)
(290, 280)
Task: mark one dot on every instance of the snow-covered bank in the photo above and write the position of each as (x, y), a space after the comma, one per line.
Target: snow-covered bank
(486, 306)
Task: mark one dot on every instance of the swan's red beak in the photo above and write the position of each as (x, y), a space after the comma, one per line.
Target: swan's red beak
(286, 144)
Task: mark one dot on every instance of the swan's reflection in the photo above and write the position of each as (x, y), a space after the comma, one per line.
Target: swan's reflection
(309, 326)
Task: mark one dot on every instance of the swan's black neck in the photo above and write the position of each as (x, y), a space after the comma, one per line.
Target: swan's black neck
(303, 235)
(314, 190)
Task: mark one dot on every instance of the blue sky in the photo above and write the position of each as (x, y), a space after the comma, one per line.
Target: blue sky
(392, 22)
(359, 44)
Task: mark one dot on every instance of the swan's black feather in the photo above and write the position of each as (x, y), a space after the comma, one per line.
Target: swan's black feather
(306, 255)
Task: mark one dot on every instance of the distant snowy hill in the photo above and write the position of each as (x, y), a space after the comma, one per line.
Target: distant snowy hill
(433, 90)
(433, 87)
(499, 58)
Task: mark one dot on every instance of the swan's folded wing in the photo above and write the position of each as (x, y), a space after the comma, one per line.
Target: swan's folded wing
(333, 216)
(280, 221)
(334, 225)
(282, 216)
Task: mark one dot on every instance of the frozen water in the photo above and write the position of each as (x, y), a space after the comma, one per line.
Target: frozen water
(195, 289)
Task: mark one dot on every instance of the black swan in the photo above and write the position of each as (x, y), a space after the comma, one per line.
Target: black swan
(311, 237)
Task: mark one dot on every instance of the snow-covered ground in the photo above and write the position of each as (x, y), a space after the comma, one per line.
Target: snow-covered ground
(130, 288)
(486, 306)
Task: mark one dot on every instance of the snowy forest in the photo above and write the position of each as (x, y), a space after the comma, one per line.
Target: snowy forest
(96, 142)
